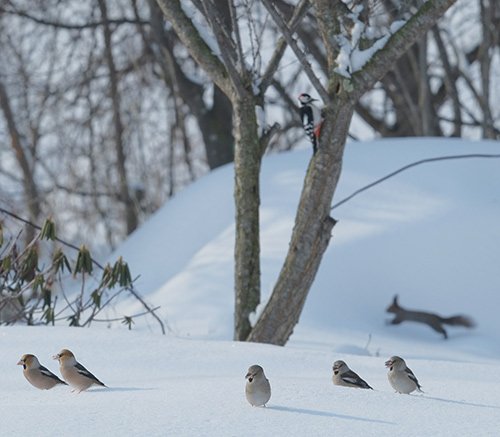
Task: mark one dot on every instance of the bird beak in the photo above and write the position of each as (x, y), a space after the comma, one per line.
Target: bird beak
(388, 363)
(56, 356)
(20, 363)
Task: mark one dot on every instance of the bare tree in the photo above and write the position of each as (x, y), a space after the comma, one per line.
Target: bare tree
(313, 224)
(235, 74)
(89, 119)
(114, 115)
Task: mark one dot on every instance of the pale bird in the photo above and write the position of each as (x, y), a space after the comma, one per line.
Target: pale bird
(258, 389)
(38, 375)
(74, 373)
(400, 376)
(345, 377)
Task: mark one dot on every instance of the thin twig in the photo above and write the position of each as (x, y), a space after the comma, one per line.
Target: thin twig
(236, 32)
(298, 13)
(226, 46)
(121, 318)
(285, 30)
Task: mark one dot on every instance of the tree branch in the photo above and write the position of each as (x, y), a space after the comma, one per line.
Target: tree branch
(287, 34)
(265, 139)
(70, 26)
(407, 167)
(299, 13)
(195, 44)
(237, 34)
(383, 60)
(226, 45)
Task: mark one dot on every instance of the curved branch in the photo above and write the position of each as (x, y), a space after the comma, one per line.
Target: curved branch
(407, 167)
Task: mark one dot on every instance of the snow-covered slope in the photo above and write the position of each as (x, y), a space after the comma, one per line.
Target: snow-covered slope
(430, 235)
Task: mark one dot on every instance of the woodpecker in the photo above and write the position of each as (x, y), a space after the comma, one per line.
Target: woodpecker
(312, 118)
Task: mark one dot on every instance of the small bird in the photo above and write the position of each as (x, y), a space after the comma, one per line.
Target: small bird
(38, 375)
(312, 118)
(258, 389)
(401, 377)
(345, 377)
(74, 373)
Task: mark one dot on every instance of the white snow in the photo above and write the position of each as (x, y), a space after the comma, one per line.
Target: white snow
(351, 57)
(430, 234)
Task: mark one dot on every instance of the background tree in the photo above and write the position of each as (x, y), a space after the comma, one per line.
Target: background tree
(60, 153)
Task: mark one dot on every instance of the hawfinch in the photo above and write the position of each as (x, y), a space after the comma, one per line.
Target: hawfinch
(38, 375)
(345, 377)
(74, 373)
(401, 377)
(258, 389)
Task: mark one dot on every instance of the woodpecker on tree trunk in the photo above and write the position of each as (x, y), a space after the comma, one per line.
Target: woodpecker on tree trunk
(312, 118)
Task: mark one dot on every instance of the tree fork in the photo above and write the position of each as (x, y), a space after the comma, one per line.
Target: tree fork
(311, 234)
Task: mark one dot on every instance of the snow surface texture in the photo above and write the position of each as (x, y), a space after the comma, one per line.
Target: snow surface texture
(430, 234)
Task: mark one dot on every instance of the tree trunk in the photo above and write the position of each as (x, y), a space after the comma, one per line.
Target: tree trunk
(311, 234)
(247, 162)
(131, 218)
(30, 189)
(216, 129)
(215, 122)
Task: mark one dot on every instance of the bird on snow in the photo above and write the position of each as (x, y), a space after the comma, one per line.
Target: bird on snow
(345, 377)
(74, 373)
(401, 377)
(38, 375)
(257, 389)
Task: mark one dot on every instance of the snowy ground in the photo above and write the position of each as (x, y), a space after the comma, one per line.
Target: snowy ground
(430, 234)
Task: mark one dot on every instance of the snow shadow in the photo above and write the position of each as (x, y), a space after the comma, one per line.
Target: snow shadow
(326, 414)
(470, 404)
(124, 389)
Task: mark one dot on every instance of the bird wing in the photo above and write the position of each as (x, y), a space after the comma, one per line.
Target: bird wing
(46, 372)
(353, 378)
(84, 372)
(306, 114)
(412, 377)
